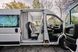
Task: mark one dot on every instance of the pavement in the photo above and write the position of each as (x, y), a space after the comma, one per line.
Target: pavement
(33, 49)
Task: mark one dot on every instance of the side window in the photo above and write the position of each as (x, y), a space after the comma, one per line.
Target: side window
(74, 15)
(67, 20)
(69, 27)
(74, 20)
(9, 21)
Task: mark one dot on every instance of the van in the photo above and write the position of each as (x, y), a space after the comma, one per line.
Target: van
(30, 27)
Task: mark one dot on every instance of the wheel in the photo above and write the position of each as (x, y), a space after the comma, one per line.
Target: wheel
(62, 43)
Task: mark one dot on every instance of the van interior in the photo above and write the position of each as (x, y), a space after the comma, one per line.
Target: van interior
(54, 27)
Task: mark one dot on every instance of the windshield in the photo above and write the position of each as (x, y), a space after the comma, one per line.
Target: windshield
(8, 21)
(52, 20)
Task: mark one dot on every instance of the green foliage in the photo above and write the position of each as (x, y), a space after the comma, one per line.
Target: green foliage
(74, 20)
(16, 5)
(36, 4)
(54, 21)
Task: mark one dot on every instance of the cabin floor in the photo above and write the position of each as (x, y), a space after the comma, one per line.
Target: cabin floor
(33, 49)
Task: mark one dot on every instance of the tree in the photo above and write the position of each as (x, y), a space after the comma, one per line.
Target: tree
(16, 5)
(63, 5)
(46, 4)
(36, 4)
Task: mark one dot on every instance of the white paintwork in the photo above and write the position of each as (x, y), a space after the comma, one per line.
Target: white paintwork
(8, 30)
(23, 19)
(9, 37)
(9, 34)
(77, 45)
(9, 12)
(38, 43)
(46, 36)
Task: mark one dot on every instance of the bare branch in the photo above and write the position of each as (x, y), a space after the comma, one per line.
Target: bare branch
(47, 4)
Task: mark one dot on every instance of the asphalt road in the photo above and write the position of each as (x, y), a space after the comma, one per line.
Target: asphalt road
(33, 49)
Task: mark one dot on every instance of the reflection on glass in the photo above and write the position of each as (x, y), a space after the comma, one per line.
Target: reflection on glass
(67, 20)
(8, 21)
(74, 18)
(74, 15)
(52, 20)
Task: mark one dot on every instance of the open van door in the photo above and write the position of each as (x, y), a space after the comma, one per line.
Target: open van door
(71, 29)
(54, 27)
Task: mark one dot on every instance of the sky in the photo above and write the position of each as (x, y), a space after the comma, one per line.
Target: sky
(2, 2)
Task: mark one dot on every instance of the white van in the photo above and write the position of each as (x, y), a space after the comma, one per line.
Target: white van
(30, 27)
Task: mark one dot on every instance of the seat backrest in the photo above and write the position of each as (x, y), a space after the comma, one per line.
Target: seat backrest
(28, 29)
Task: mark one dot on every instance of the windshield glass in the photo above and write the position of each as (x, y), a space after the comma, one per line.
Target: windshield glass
(8, 21)
(52, 20)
